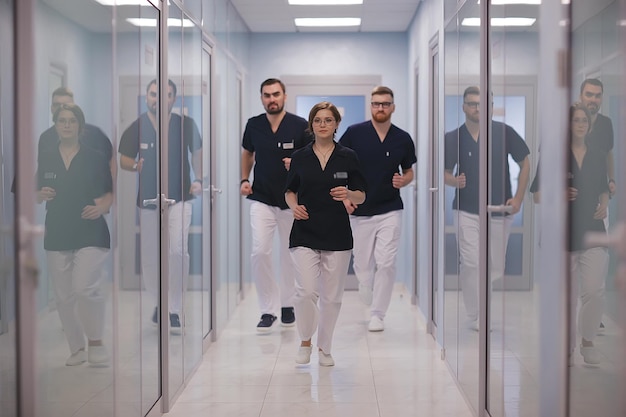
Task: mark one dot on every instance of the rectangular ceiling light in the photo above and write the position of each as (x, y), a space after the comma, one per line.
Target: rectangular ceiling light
(123, 2)
(500, 21)
(324, 2)
(506, 2)
(327, 21)
(152, 23)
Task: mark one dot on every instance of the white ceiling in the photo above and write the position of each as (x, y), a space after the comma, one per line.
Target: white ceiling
(278, 15)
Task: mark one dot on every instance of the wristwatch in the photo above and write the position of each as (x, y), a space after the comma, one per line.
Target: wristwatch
(135, 166)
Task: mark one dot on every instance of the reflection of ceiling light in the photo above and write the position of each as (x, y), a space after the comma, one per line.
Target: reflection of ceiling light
(500, 21)
(505, 2)
(330, 21)
(152, 23)
(323, 2)
(123, 3)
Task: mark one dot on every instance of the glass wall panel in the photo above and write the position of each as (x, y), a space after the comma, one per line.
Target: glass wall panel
(138, 382)
(8, 358)
(513, 313)
(596, 372)
(75, 170)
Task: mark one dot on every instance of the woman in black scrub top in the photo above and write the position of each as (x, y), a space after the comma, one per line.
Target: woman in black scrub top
(588, 195)
(322, 175)
(75, 182)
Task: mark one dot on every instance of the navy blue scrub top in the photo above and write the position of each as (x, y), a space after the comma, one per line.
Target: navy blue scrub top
(140, 139)
(88, 177)
(380, 160)
(269, 149)
(601, 135)
(461, 150)
(328, 225)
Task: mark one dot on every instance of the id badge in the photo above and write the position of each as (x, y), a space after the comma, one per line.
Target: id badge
(288, 145)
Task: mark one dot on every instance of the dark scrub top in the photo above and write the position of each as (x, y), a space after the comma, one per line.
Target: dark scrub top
(379, 161)
(88, 177)
(601, 135)
(461, 150)
(140, 140)
(590, 181)
(269, 149)
(328, 225)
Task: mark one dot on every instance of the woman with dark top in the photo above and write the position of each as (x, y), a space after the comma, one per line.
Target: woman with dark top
(75, 182)
(322, 175)
(588, 195)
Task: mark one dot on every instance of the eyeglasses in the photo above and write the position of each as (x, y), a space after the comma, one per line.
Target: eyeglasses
(327, 121)
(63, 121)
(384, 104)
(472, 104)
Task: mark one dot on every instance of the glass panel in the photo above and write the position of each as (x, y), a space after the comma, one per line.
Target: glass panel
(207, 196)
(596, 310)
(179, 214)
(8, 361)
(138, 224)
(192, 108)
(461, 175)
(75, 171)
(513, 338)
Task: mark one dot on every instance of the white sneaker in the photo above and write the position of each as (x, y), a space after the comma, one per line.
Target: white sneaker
(76, 358)
(366, 294)
(326, 360)
(376, 324)
(590, 355)
(97, 355)
(304, 355)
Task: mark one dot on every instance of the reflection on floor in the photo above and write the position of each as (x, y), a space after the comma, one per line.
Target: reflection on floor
(395, 373)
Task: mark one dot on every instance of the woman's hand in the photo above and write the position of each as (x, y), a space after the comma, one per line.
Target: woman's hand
(339, 193)
(46, 194)
(572, 193)
(300, 212)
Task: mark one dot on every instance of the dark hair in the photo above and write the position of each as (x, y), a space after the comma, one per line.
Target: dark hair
(591, 81)
(169, 82)
(573, 109)
(77, 111)
(272, 81)
(380, 90)
(63, 91)
(472, 89)
(324, 105)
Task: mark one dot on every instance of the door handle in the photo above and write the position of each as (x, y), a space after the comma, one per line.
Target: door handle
(151, 202)
(166, 202)
(216, 190)
(433, 189)
(499, 209)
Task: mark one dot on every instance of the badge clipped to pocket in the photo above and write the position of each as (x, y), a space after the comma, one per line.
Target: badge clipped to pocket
(341, 178)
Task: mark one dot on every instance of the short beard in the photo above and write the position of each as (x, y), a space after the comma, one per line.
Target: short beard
(381, 117)
(278, 110)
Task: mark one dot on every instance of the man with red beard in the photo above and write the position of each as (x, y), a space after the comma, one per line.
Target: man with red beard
(268, 142)
(387, 155)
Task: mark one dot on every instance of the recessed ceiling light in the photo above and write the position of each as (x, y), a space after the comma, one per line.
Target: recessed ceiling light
(327, 21)
(500, 21)
(152, 23)
(324, 2)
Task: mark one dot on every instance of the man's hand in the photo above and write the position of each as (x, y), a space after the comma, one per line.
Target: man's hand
(92, 212)
(300, 212)
(601, 212)
(572, 193)
(515, 203)
(245, 188)
(461, 181)
(196, 188)
(612, 188)
(398, 181)
(287, 162)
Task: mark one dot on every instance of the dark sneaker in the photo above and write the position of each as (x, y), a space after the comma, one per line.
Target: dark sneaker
(287, 317)
(265, 325)
(155, 316)
(174, 323)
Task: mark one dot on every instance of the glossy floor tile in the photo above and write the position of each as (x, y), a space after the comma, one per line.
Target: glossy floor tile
(394, 373)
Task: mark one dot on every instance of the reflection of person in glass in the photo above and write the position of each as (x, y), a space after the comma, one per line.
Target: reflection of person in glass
(322, 175)
(75, 182)
(588, 194)
(387, 155)
(461, 172)
(268, 142)
(138, 152)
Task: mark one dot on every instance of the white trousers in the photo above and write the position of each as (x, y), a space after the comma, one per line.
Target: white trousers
(179, 223)
(77, 278)
(375, 250)
(467, 228)
(265, 221)
(320, 281)
(588, 272)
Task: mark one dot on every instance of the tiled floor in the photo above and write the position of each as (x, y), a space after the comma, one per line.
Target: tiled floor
(395, 373)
